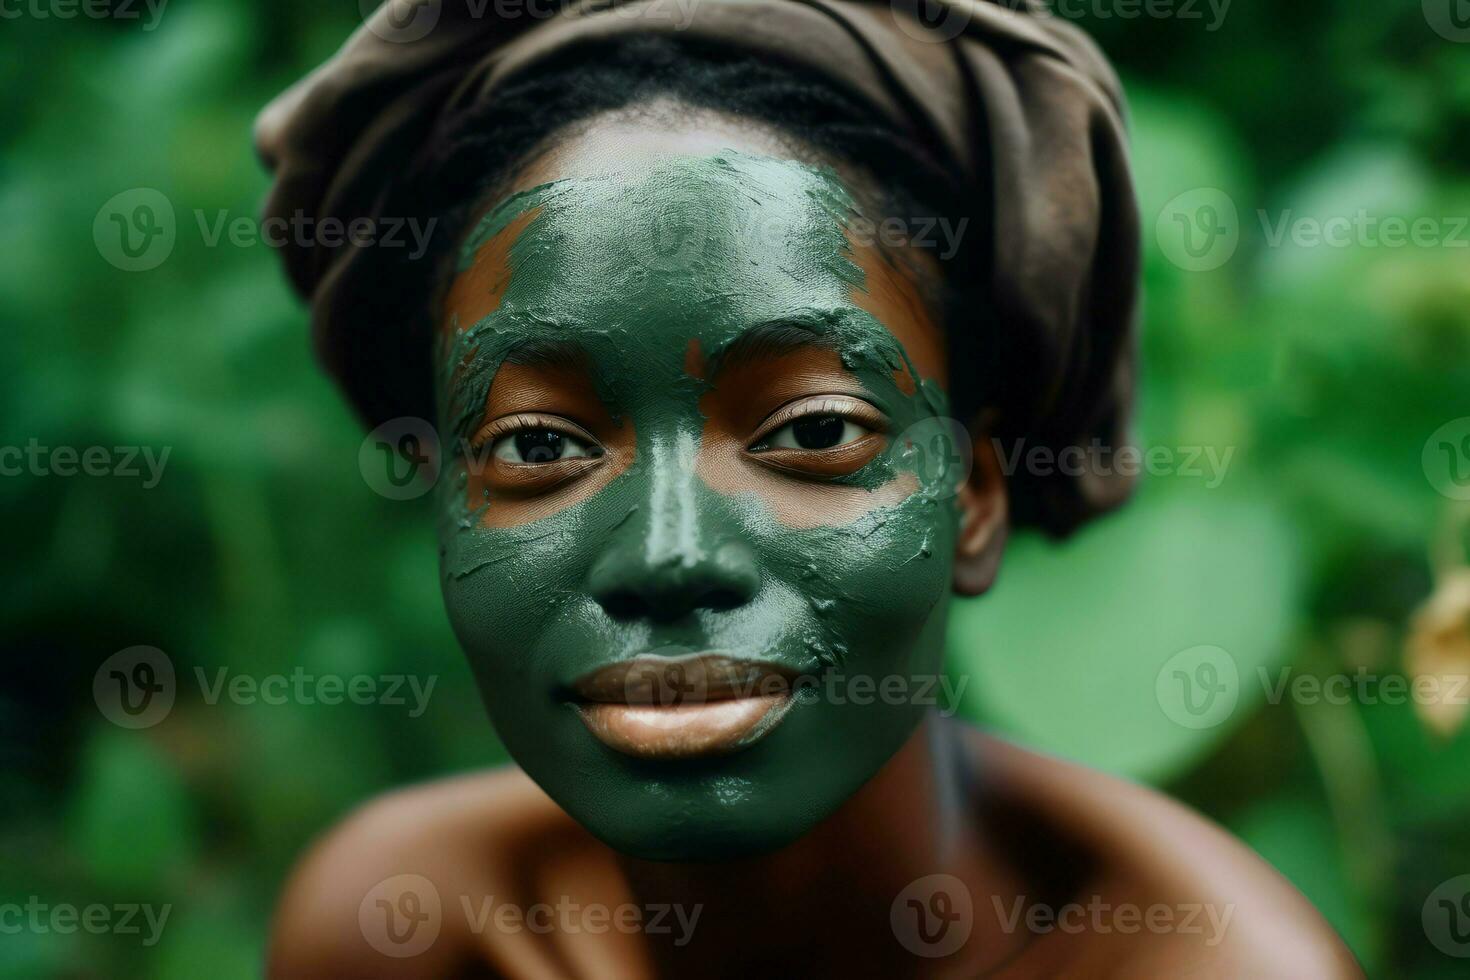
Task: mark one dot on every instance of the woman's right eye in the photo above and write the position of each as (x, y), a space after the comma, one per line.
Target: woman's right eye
(541, 445)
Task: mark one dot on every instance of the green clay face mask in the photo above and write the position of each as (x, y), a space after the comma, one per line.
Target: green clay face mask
(650, 279)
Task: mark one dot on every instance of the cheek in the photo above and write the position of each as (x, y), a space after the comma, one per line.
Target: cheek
(503, 587)
(871, 584)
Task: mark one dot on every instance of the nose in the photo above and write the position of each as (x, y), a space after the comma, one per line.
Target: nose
(678, 552)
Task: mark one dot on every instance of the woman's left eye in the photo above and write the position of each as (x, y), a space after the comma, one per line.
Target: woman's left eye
(815, 432)
(540, 446)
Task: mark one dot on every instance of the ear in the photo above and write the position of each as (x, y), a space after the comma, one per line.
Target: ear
(984, 516)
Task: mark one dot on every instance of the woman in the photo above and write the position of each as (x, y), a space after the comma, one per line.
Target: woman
(692, 339)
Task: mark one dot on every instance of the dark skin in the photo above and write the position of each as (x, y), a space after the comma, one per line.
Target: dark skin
(1009, 824)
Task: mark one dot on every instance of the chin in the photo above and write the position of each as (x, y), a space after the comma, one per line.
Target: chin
(702, 825)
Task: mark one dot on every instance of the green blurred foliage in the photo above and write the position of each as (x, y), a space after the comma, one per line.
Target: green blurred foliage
(1325, 369)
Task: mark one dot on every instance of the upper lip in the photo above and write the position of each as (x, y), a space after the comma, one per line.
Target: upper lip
(686, 679)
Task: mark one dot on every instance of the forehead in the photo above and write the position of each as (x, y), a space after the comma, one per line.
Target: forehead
(692, 230)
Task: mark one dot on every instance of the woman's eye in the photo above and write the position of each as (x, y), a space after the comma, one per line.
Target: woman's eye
(816, 432)
(541, 446)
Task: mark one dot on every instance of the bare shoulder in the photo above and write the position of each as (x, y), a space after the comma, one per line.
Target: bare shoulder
(385, 891)
(1173, 891)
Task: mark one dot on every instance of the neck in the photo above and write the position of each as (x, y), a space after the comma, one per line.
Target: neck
(916, 817)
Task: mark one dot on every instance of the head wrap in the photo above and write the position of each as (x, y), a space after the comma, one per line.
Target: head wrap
(1017, 104)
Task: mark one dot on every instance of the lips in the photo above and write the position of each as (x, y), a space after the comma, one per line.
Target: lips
(683, 707)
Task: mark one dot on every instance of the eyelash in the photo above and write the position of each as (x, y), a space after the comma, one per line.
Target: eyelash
(852, 409)
(508, 425)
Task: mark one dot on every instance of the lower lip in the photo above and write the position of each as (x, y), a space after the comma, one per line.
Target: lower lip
(684, 731)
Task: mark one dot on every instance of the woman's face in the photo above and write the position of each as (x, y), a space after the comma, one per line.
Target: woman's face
(696, 555)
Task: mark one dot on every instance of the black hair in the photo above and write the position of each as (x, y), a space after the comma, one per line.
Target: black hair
(478, 149)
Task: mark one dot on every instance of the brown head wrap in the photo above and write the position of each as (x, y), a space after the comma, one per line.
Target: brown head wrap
(1020, 106)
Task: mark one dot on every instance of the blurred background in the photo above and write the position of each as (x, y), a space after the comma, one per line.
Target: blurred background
(1304, 526)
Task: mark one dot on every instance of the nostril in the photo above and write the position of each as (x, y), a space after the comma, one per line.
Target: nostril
(629, 586)
(722, 600)
(625, 604)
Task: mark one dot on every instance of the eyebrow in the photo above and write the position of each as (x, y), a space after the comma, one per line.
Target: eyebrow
(766, 341)
(540, 353)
